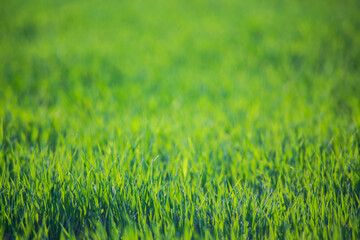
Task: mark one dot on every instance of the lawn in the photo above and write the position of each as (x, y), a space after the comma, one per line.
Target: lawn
(180, 119)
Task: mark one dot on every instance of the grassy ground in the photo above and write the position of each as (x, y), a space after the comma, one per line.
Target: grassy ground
(202, 119)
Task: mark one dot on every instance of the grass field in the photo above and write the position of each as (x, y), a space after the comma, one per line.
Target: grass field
(180, 119)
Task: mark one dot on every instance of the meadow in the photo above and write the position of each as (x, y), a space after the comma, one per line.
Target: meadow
(172, 119)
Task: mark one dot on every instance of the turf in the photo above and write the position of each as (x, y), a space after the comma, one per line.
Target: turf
(180, 119)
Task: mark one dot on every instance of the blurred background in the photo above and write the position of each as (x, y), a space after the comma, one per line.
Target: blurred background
(101, 68)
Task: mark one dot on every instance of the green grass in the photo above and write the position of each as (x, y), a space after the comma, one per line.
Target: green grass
(180, 119)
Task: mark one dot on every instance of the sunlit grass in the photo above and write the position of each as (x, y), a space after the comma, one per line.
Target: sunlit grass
(165, 119)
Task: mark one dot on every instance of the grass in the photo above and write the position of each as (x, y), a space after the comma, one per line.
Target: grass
(173, 119)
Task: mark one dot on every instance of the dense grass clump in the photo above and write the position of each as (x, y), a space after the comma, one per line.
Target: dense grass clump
(174, 119)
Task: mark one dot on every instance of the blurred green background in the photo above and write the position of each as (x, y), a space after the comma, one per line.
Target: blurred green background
(186, 64)
(216, 91)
